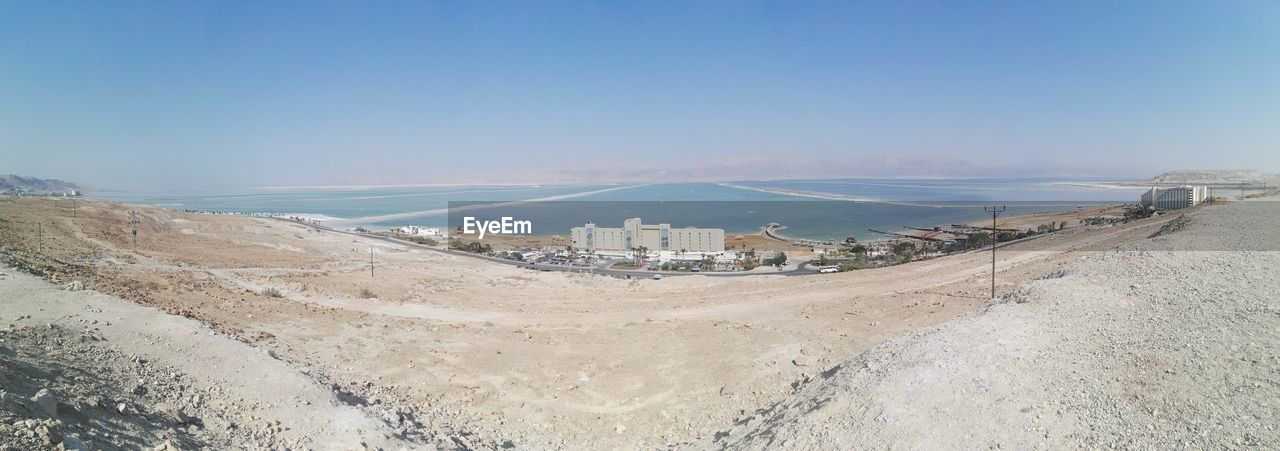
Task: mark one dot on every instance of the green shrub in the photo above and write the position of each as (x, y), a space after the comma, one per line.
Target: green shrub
(777, 259)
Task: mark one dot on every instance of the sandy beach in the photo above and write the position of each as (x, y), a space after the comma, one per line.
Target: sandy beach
(797, 193)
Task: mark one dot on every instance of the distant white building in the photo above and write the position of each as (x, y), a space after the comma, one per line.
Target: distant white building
(1174, 198)
(654, 237)
(429, 232)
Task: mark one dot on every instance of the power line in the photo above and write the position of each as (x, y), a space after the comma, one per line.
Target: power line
(995, 211)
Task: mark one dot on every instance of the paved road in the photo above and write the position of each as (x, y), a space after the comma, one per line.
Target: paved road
(800, 270)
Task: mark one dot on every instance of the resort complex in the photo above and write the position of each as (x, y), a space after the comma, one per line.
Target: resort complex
(652, 237)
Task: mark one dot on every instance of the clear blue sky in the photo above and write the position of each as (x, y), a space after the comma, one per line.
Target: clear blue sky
(243, 93)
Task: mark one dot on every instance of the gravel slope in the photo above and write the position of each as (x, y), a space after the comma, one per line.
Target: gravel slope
(84, 369)
(1149, 346)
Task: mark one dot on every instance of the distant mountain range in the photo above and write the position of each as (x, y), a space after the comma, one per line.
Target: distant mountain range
(1212, 176)
(11, 182)
(787, 168)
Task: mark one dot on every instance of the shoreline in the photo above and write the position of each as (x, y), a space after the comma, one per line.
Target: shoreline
(799, 193)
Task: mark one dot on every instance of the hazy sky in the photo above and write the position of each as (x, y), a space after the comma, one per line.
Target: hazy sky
(177, 94)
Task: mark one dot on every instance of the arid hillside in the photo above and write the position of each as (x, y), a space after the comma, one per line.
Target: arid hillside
(451, 351)
(1172, 342)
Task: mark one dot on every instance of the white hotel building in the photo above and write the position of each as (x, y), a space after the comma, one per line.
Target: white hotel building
(1174, 198)
(654, 237)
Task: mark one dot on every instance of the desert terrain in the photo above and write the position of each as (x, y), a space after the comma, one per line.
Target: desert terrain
(1168, 342)
(271, 333)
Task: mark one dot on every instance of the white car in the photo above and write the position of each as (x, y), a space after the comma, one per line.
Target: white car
(657, 277)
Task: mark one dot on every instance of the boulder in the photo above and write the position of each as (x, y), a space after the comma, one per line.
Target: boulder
(47, 402)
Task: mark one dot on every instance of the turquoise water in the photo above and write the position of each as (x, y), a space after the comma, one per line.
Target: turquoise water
(739, 207)
(348, 204)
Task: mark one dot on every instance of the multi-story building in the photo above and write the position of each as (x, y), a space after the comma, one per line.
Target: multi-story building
(1174, 198)
(654, 237)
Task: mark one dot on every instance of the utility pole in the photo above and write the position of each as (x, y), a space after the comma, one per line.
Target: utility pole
(40, 237)
(995, 211)
(133, 228)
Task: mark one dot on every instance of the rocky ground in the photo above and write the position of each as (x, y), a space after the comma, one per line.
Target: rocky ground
(61, 388)
(84, 370)
(1167, 343)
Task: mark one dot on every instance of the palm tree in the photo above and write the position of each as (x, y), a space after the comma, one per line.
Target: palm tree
(640, 253)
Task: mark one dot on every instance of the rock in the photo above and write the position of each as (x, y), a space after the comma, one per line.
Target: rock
(166, 446)
(47, 402)
(44, 433)
(391, 418)
(75, 285)
(122, 408)
(71, 442)
(619, 428)
(174, 414)
(725, 390)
